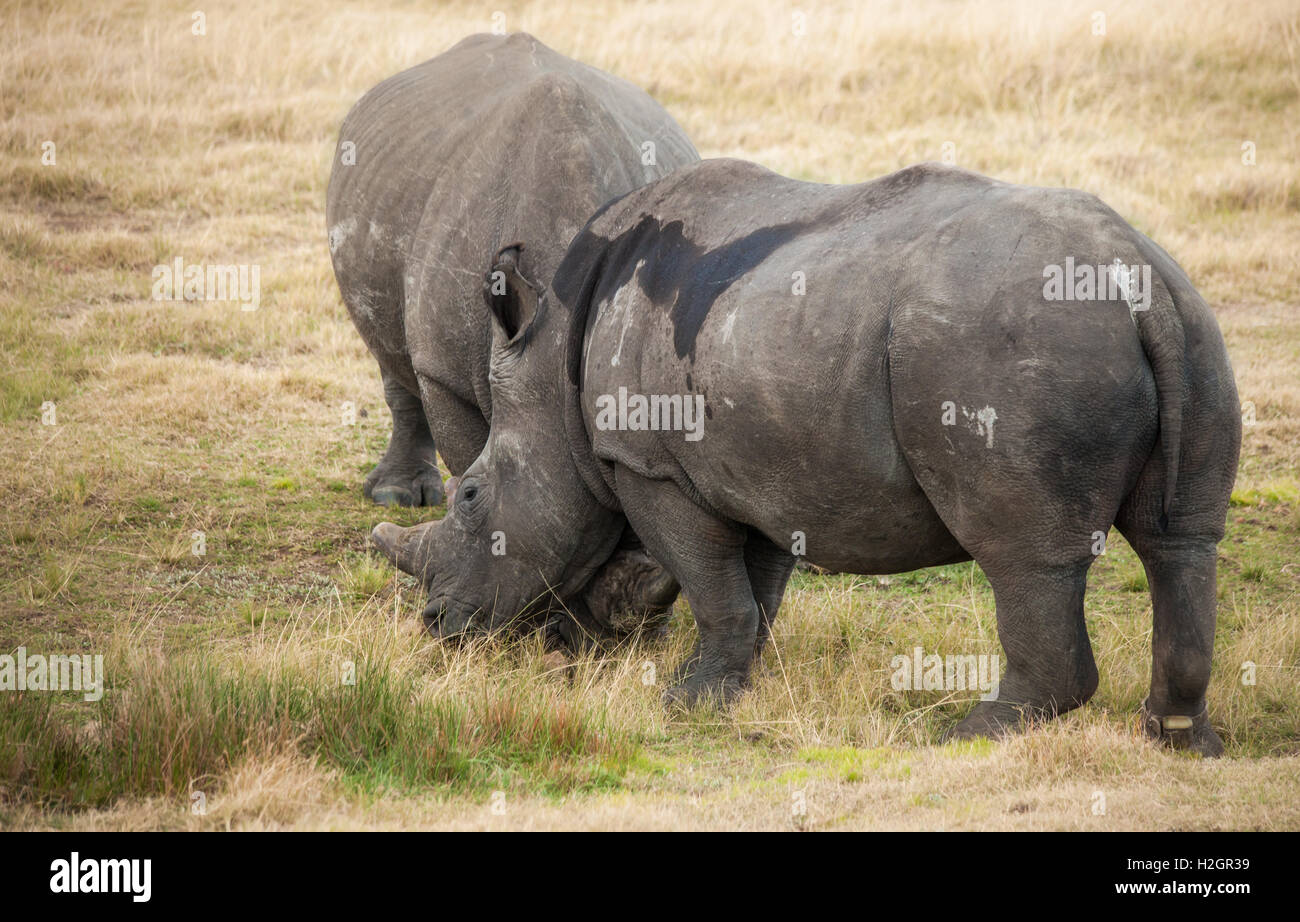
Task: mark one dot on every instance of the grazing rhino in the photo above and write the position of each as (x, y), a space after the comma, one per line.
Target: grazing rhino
(497, 140)
(893, 375)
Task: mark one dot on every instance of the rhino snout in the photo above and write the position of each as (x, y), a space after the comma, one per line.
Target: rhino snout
(444, 618)
(433, 615)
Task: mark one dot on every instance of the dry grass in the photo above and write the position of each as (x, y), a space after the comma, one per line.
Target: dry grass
(173, 419)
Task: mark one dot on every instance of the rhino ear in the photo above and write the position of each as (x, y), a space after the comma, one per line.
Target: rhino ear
(511, 297)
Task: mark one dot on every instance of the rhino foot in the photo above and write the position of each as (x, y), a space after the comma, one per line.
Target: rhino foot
(1192, 733)
(387, 487)
(687, 666)
(986, 721)
(719, 690)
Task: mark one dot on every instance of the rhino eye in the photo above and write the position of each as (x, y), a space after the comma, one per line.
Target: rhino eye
(470, 508)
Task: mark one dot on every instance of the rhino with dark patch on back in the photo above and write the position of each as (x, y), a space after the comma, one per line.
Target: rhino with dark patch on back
(904, 373)
(500, 139)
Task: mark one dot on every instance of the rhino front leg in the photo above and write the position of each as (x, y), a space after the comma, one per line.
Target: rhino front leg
(407, 475)
(707, 556)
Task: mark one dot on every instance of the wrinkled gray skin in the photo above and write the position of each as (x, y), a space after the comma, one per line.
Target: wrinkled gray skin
(500, 139)
(826, 417)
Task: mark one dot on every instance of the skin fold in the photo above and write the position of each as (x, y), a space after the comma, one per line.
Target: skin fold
(886, 386)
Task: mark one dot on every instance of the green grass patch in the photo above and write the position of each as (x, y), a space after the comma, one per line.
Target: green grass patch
(1135, 581)
(846, 763)
(1277, 491)
(178, 725)
(364, 576)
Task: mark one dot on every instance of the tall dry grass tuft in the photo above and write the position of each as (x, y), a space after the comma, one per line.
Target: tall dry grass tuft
(1152, 114)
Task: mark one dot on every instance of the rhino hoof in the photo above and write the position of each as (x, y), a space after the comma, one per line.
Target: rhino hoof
(1191, 733)
(390, 495)
(984, 722)
(422, 491)
(691, 693)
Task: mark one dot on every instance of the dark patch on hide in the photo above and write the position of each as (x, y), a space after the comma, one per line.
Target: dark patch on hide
(678, 276)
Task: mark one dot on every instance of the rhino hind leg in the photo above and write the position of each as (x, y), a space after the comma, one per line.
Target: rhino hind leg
(769, 567)
(1050, 665)
(407, 475)
(1181, 574)
(460, 427)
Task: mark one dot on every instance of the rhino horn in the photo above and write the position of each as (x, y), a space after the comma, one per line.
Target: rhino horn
(406, 548)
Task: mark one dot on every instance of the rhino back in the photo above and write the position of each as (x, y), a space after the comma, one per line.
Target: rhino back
(498, 140)
(824, 405)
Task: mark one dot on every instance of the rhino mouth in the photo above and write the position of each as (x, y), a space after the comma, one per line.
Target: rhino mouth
(445, 617)
(599, 618)
(630, 595)
(448, 618)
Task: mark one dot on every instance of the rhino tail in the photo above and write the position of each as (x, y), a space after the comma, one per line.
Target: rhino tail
(1160, 330)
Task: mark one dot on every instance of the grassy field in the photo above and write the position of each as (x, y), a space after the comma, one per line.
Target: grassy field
(280, 678)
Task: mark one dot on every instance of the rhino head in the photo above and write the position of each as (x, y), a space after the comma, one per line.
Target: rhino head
(526, 536)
